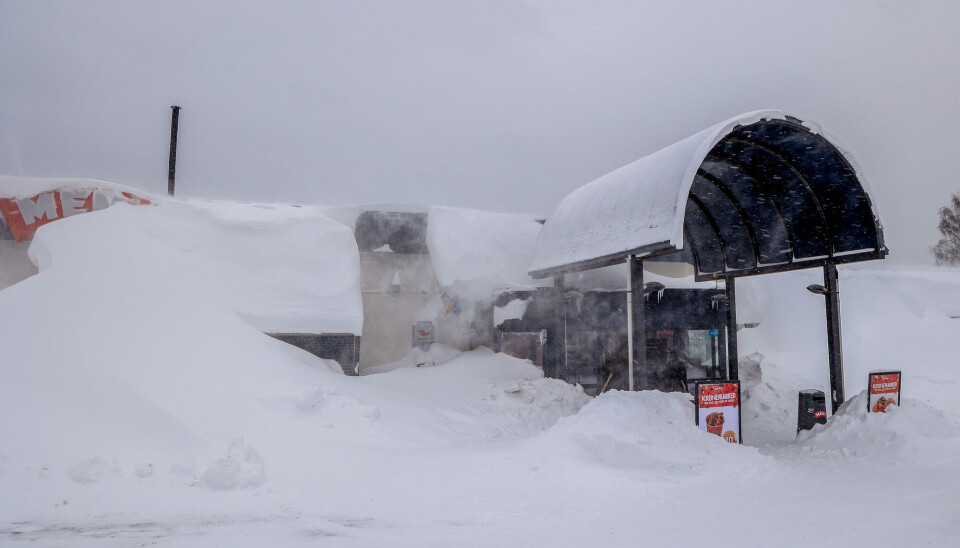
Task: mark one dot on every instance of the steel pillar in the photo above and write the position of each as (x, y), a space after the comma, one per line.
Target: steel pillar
(636, 331)
(834, 347)
(733, 358)
(557, 333)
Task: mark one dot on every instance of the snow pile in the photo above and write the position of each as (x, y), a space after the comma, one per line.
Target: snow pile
(281, 269)
(436, 354)
(140, 400)
(153, 316)
(891, 319)
(476, 252)
(27, 203)
(906, 434)
(770, 398)
(649, 431)
(241, 467)
(477, 396)
(93, 469)
(513, 310)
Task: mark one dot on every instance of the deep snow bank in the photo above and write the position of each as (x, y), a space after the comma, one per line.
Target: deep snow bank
(476, 252)
(649, 432)
(475, 396)
(140, 337)
(282, 269)
(891, 319)
(136, 353)
(26, 203)
(910, 433)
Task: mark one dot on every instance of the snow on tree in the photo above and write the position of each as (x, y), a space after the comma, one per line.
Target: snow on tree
(947, 250)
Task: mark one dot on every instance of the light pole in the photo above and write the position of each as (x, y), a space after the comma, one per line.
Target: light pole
(830, 289)
(173, 150)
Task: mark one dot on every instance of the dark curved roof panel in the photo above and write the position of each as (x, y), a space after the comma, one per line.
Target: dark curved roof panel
(758, 193)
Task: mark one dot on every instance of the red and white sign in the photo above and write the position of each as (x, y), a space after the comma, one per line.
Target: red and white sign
(884, 391)
(718, 409)
(25, 215)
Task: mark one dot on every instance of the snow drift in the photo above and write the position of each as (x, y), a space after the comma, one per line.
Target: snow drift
(910, 433)
(140, 400)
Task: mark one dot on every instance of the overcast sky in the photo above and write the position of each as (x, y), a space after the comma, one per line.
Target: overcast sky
(505, 106)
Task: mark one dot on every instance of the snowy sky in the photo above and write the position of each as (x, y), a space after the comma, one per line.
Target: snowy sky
(506, 106)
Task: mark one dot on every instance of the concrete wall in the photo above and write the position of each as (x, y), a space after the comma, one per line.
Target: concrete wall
(15, 265)
(390, 310)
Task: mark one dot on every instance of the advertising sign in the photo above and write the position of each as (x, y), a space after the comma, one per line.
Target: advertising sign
(884, 391)
(718, 409)
(24, 216)
(450, 304)
(423, 335)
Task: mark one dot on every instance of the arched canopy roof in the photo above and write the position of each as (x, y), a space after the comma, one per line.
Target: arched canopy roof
(760, 192)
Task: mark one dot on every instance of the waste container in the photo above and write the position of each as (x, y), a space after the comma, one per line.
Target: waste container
(811, 410)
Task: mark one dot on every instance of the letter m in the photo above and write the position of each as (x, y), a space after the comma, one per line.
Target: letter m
(44, 209)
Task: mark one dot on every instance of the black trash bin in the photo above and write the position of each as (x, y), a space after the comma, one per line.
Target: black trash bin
(811, 410)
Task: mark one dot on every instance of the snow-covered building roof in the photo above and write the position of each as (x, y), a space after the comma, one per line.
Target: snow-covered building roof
(479, 252)
(758, 192)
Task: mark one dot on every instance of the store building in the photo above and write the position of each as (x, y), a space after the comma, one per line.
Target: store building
(760, 193)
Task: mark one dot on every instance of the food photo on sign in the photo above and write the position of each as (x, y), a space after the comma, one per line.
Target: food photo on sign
(884, 390)
(718, 409)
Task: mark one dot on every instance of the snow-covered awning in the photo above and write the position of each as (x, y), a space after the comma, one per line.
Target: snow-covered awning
(757, 193)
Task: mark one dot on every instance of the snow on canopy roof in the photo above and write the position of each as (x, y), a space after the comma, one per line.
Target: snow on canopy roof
(759, 191)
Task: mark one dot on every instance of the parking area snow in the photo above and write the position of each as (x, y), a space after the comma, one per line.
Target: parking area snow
(141, 403)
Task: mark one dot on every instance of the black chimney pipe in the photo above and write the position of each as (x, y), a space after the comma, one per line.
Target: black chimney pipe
(173, 149)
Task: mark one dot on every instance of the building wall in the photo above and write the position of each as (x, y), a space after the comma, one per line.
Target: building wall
(15, 264)
(390, 309)
(390, 312)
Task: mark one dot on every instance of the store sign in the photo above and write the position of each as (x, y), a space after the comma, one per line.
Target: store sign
(884, 390)
(450, 304)
(718, 409)
(24, 216)
(423, 335)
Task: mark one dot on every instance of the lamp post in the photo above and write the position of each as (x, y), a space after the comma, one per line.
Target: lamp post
(173, 149)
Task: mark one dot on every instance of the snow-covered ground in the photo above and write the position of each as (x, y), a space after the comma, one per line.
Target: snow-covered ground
(140, 404)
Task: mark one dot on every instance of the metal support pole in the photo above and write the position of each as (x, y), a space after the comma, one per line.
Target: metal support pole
(636, 328)
(834, 347)
(558, 344)
(173, 149)
(630, 323)
(733, 359)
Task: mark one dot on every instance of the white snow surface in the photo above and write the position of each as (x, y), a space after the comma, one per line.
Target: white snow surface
(640, 204)
(140, 405)
(513, 310)
(476, 252)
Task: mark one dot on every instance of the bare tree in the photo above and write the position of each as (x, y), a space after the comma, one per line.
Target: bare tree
(947, 250)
